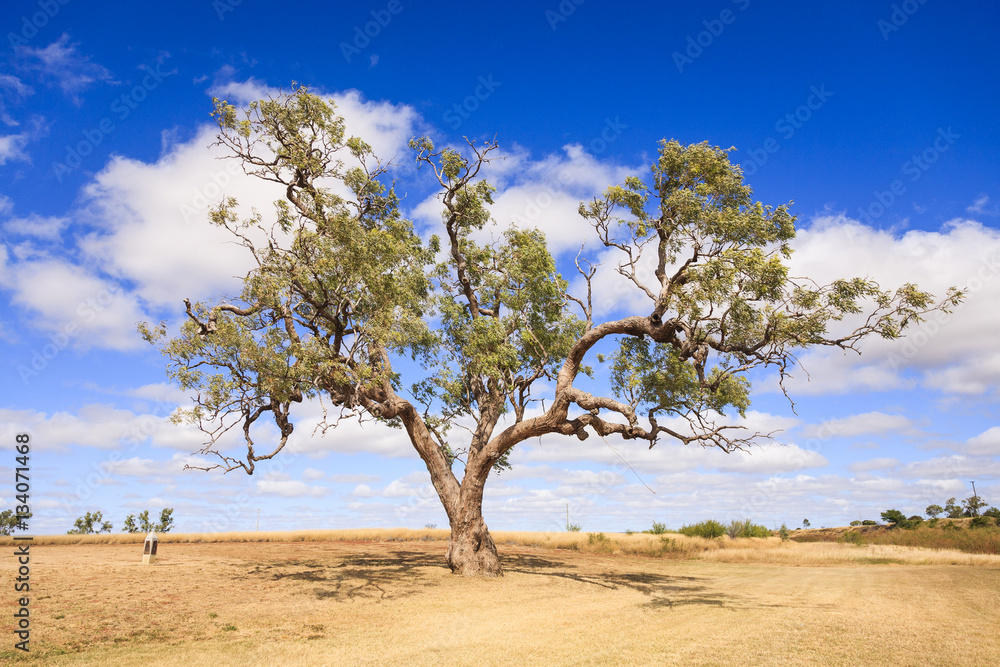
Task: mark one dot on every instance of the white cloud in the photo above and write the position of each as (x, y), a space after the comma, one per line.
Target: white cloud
(12, 148)
(312, 474)
(986, 443)
(62, 64)
(48, 228)
(981, 206)
(290, 489)
(954, 353)
(855, 425)
(73, 304)
(881, 463)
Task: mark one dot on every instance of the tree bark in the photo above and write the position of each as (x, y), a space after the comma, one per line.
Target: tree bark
(471, 551)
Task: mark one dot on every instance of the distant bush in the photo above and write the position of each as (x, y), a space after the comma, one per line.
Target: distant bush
(573, 527)
(709, 528)
(933, 522)
(746, 528)
(869, 522)
(596, 538)
(853, 537)
(894, 517)
(980, 522)
(657, 529)
(951, 525)
(783, 533)
(992, 512)
(856, 522)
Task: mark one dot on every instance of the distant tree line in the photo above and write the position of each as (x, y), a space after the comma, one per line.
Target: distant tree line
(94, 523)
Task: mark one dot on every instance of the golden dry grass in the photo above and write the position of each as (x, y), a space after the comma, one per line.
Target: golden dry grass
(345, 602)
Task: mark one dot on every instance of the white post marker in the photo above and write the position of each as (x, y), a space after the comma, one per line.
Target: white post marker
(149, 549)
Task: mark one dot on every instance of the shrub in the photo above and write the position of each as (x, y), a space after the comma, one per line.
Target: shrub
(573, 527)
(746, 528)
(980, 522)
(853, 537)
(597, 538)
(951, 525)
(709, 528)
(657, 529)
(895, 517)
(856, 522)
(914, 521)
(869, 522)
(993, 512)
(933, 522)
(783, 533)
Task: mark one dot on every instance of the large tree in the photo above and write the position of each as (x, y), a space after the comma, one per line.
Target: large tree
(344, 288)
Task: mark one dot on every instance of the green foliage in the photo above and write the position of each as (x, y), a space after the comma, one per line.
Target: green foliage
(980, 522)
(933, 511)
(573, 527)
(784, 533)
(144, 525)
(343, 286)
(972, 505)
(893, 516)
(856, 522)
(9, 522)
(90, 524)
(853, 537)
(951, 525)
(657, 529)
(933, 522)
(869, 522)
(709, 528)
(992, 512)
(805, 523)
(746, 528)
(953, 509)
(597, 538)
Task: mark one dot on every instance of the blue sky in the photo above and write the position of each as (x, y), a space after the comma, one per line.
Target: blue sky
(879, 119)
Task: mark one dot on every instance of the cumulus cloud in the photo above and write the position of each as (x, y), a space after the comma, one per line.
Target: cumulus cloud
(986, 443)
(953, 353)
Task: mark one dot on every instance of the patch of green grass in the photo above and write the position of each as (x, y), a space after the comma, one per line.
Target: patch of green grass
(228, 628)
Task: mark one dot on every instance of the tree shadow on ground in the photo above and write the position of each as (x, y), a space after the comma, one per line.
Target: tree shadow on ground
(395, 573)
(379, 576)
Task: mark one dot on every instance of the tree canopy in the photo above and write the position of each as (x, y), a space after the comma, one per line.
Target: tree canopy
(344, 287)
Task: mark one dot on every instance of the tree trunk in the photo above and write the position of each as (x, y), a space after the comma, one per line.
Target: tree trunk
(471, 551)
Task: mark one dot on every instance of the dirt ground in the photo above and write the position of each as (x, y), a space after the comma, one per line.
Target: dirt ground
(341, 603)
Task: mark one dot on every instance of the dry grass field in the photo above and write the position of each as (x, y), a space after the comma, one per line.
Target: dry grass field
(570, 600)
